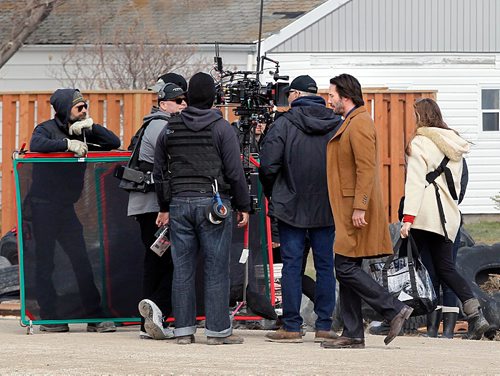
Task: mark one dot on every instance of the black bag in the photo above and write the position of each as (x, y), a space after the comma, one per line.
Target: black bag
(132, 178)
(406, 278)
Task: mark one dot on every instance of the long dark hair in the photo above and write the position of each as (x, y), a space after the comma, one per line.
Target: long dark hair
(348, 86)
(428, 114)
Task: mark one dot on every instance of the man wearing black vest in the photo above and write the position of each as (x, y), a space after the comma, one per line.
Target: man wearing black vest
(196, 155)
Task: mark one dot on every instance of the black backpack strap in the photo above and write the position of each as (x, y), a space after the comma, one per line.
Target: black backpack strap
(464, 180)
(134, 158)
(431, 177)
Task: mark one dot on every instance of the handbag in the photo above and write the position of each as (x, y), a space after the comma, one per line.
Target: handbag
(406, 278)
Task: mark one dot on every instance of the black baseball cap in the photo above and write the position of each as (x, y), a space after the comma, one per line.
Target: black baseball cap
(169, 77)
(303, 83)
(170, 91)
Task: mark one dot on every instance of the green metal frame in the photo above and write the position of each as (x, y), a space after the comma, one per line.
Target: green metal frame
(16, 162)
(24, 320)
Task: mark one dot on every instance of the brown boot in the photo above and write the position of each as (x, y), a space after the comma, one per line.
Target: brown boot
(185, 340)
(284, 336)
(322, 335)
(233, 339)
(343, 343)
(397, 323)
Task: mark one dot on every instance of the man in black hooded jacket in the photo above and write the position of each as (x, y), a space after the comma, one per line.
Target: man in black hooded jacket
(55, 188)
(293, 174)
(195, 153)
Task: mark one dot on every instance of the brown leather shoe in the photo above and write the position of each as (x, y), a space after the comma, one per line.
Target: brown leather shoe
(284, 336)
(322, 335)
(397, 323)
(343, 343)
(233, 339)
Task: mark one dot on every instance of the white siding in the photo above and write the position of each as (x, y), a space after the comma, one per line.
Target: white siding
(401, 26)
(458, 80)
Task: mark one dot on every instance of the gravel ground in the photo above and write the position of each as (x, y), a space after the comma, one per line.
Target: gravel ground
(123, 353)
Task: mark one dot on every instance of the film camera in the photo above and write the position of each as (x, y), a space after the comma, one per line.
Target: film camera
(255, 103)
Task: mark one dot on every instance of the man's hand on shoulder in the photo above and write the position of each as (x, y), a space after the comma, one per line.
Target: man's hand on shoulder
(77, 127)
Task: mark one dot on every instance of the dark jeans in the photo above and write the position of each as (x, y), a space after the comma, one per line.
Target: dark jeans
(355, 285)
(190, 233)
(158, 271)
(55, 222)
(441, 254)
(292, 251)
(449, 297)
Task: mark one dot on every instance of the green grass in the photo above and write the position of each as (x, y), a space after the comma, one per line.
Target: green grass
(484, 232)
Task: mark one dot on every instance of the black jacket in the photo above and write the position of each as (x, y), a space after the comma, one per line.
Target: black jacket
(63, 182)
(227, 146)
(293, 163)
(50, 135)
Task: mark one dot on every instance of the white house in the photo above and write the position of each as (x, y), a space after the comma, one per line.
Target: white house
(452, 46)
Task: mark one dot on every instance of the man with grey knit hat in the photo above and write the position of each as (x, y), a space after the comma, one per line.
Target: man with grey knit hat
(55, 188)
(197, 155)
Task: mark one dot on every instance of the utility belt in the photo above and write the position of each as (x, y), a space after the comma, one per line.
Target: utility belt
(138, 179)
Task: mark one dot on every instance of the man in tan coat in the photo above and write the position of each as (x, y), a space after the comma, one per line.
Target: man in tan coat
(361, 225)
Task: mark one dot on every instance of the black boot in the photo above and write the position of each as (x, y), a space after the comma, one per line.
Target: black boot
(449, 322)
(477, 323)
(433, 320)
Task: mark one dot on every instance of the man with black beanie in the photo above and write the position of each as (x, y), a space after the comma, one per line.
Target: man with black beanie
(197, 160)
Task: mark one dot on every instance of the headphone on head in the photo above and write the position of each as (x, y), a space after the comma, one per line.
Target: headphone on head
(162, 92)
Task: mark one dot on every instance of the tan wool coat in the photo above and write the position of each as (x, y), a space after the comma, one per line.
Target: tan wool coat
(354, 183)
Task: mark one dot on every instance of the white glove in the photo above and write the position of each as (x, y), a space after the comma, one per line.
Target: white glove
(78, 147)
(77, 127)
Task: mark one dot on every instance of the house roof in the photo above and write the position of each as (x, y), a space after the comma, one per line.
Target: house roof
(393, 26)
(182, 21)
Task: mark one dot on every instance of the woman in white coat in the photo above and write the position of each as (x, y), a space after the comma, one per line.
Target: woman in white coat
(431, 209)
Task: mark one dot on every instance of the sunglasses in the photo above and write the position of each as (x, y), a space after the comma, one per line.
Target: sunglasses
(81, 107)
(178, 100)
(290, 92)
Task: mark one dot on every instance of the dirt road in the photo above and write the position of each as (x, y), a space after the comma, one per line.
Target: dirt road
(123, 353)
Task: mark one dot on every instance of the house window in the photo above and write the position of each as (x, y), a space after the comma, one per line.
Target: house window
(490, 108)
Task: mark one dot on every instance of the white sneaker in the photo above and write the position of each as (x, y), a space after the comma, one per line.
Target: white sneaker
(153, 323)
(144, 335)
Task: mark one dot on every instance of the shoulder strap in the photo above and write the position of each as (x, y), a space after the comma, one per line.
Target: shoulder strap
(431, 177)
(464, 180)
(134, 158)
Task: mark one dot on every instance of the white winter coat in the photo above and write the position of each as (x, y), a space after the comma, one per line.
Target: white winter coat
(428, 149)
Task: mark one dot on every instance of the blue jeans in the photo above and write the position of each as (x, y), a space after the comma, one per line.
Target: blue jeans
(190, 233)
(292, 250)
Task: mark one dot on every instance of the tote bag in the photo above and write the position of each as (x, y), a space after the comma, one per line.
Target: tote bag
(406, 278)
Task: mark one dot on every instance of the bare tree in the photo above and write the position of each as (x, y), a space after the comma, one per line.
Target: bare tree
(132, 57)
(26, 16)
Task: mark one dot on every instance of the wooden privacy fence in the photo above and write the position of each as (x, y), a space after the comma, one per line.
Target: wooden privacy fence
(122, 113)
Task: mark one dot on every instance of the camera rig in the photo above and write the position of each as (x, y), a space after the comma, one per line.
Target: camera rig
(255, 102)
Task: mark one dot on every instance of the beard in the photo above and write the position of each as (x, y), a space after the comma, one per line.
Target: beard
(74, 119)
(338, 108)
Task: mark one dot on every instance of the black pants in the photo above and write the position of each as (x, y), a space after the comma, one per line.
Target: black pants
(355, 285)
(158, 271)
(58, 222)
(441, 254)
